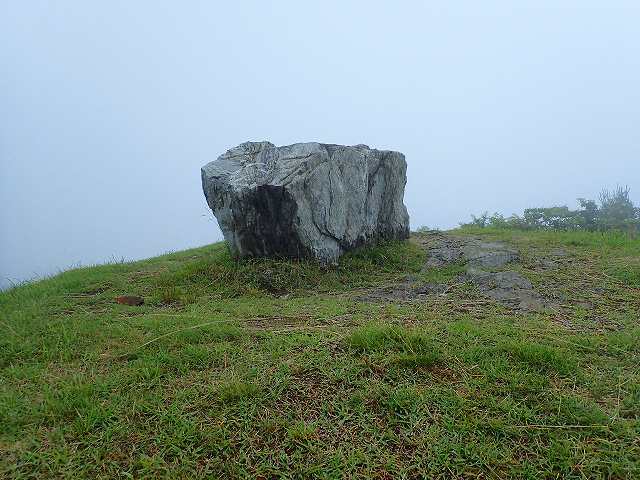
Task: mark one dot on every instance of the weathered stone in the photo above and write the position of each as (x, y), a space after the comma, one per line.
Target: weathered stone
(472, 252)
(489, 254)
(479, 258)
(306, 200)
(508, 288)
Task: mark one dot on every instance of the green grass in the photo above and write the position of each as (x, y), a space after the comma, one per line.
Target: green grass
(274, 368)
(620, 242)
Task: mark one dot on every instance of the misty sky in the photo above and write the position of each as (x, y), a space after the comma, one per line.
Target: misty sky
(109, 109)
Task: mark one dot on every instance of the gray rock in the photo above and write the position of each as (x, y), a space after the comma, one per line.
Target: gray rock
(306, 200)
(445, 250)
(508, 288)
(479, 258)
(489, 254)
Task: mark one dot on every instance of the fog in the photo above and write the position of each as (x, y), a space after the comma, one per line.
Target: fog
(109, 109)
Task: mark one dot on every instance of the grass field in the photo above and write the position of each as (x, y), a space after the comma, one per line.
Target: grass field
(277, 369)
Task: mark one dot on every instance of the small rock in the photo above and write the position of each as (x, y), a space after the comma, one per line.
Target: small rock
(130, 300)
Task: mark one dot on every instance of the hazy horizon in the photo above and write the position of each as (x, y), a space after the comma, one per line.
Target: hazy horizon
(108, 111)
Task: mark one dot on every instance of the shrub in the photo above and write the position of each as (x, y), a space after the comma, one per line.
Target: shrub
(616, 211)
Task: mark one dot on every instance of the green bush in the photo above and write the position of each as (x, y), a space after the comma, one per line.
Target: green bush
(616, 211)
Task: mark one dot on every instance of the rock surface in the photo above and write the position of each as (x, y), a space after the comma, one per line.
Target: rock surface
(479, 258)
(306, 200)
(483, 262)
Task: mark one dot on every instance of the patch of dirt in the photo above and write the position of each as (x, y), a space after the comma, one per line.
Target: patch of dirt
(480, 259)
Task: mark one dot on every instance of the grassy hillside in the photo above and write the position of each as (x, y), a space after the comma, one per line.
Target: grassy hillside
(267, 368)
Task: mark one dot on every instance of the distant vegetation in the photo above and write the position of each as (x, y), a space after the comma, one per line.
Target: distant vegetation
(613, 211)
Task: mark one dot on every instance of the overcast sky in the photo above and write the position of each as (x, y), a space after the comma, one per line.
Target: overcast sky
(109, 109)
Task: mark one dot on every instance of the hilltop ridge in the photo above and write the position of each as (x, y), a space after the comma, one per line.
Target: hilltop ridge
(407, 359)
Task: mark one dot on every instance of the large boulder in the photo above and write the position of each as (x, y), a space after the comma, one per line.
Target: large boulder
(306, 200)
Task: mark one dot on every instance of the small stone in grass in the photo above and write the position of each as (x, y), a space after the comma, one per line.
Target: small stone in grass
(131, 300)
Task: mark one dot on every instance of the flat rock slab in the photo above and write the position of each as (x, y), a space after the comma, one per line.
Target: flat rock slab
(307, 200)
(479, 258)
(509, 288)
(446, 249)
